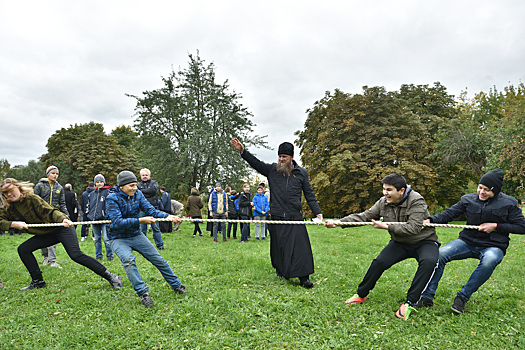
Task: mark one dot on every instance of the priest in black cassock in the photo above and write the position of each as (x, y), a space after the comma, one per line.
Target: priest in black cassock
(290, 248)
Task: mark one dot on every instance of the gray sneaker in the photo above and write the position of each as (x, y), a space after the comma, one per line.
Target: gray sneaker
(181, 290)
(146, 300)
(54, 264)
(45, 261)
(459, 305)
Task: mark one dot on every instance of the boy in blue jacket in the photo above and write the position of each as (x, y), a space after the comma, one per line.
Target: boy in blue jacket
(123, 206)
(261, 206)
(96, 210)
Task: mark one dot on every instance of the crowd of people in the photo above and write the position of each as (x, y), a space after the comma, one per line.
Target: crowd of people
(131, 206)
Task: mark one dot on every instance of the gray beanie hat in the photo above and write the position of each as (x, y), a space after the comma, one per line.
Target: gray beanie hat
(125, 177)
(99, 177)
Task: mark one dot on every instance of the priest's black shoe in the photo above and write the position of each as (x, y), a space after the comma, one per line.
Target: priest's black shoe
(306, 283)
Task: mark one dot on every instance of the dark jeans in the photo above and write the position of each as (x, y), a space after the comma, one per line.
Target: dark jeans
(85, 228)
(234, 225)
(425, 252)
(245, 232)
(65, 235)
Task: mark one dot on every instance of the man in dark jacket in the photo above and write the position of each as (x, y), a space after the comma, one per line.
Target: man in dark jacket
(290, 248)
(165, 206)
(497, 214)
(71, 202)
(150, 190)
(84, 200)
(410, 240)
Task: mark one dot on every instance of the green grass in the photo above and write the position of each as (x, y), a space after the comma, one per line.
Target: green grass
(235, 301)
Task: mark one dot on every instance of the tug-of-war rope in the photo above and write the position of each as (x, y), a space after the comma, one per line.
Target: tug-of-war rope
(277, 222)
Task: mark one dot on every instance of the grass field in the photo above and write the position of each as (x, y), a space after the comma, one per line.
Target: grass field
(235, 301)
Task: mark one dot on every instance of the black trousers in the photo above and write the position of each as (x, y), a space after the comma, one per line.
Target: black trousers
(425, 252)
(65, 235)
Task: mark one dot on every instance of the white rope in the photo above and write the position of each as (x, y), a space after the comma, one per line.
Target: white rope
(276, 222)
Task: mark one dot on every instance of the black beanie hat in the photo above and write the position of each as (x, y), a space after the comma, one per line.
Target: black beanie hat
(125, 177)
(493, 180)
(285, 148)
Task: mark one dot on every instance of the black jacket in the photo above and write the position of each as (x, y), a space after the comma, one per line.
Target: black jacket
(501, 209)
(286, 191)
(150, 190)
(245, 207)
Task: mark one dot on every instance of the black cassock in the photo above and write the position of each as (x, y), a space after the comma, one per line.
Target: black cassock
(290, 249)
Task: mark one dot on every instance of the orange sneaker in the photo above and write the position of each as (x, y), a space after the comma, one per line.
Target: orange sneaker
(355, 299)
(404, 311)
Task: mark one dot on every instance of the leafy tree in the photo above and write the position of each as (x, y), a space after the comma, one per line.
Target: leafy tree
(350, 142)
(84, 150)
(32, 172)
(185, 129)
(4, 167)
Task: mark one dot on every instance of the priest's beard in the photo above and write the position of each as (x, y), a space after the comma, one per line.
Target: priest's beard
(284, 168)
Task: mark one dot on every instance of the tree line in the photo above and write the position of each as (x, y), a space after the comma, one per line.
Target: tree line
(349, 142)
(442, 145)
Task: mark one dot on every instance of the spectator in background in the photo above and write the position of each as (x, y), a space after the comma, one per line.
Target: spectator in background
(53, 193)
(165, 206)
(150, 189)
(245, 210)
(84, 232)
(260, 211)
(194, 206)
(71, 202)
(96, 210)
(266, 192)
(232, 211)
(177, 209)
(218, 209)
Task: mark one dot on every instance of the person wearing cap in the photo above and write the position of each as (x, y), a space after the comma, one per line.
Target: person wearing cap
(290, 249)
(96, 210)
(150, 190)
(218, 209)
(123, 207)
(52, 192)
(19, 207)
(497, 215)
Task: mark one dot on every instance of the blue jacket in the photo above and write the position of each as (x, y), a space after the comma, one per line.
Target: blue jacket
(85, 199)
(501, 209)
(165, 202)
(214, 201)
(96, 205)
(260, 202)
(123, 211)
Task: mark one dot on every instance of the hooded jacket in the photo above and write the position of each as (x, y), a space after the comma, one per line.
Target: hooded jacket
(260, 203)
(96, 208)
(285, 200)
(194, 205)
(123, 211)
(501, 209)
(52, 194)
(412, 209)
(85, 199)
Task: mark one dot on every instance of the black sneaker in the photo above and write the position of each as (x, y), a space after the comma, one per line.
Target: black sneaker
(181, 289)
(115, 281)
(35, 284)
(459, 305)
(424, 302)
(146, 300)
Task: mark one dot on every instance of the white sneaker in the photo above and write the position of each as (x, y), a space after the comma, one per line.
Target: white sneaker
(82, 239)
(93, 237)
(54, 264)
(45, 261)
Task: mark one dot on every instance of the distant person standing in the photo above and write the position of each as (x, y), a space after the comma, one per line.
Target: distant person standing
(84, 232)
(165, 206)
(232, 211)
(260, 212)
(266, 192)
(245, 211)
(194, 206)
(150, 189)
(218, 209)
(53, 193)
(97, 211)
(71, 202)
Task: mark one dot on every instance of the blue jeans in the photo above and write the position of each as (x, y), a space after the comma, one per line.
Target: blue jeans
(458, 249)
(216, 226)
(157, 236)
(100, 234)
(123, 247)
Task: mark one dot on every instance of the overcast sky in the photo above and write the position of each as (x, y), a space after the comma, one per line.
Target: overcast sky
(67, 62)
